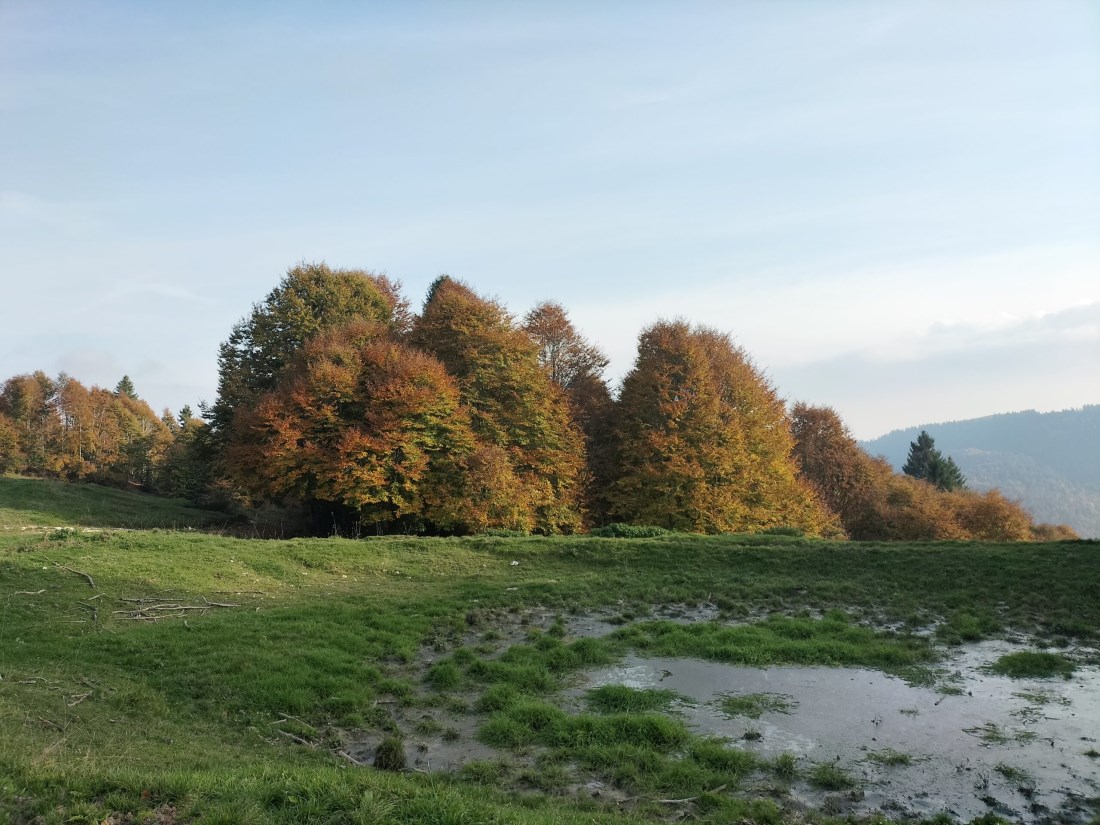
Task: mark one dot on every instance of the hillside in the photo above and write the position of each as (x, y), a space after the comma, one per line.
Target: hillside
(1046, 460)
(27, 503)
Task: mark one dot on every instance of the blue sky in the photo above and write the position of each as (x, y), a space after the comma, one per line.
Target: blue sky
(893, 206)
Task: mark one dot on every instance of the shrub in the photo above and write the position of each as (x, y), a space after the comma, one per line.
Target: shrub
(619, 530)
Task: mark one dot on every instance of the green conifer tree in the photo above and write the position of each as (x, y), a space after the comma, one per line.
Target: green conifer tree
(927, 463)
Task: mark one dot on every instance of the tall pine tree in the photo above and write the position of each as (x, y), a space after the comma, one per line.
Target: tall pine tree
(927, 463)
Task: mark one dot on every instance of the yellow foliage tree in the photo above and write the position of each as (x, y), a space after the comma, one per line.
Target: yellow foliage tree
(704, 443)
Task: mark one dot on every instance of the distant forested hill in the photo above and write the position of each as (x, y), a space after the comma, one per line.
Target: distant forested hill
(1049, 461)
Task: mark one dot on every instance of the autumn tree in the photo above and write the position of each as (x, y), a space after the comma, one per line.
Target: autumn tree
(563, 351)
(852, 484)
(989, 516)
(29, 401)
(62, 428)
(186, 471)
(363, 424)
(144, 442)
(311, 298)
(576, 365)
(704, 443)
(11, 456)
(514, 405)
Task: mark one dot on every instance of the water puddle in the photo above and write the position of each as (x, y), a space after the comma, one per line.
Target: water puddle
(1017, 747)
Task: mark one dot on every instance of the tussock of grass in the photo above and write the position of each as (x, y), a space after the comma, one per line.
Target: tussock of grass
(968, 626)
(390, 754)
(785, 766)
(1030, 664)
(755, 705)
(444, 676)
(890, 758)
(537, 667)
(530, 721)
(993, 734)
(1017, 776)
(623, 699)
(716, 755)
(829, 777)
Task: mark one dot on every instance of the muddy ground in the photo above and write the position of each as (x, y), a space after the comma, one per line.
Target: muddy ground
(972, 743)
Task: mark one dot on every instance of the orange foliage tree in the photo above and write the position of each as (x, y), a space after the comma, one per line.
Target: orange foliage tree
(311, 298)
(11, 455)
(28, 401)
(874, 502)
(703, 441)
(63, 428)
(364, 422)
(576, 366)
(514, 405)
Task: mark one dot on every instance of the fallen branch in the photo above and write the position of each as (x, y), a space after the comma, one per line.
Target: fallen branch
(146, 601)
(93, 608)
(78, 698)
(350, 758)
(219, 604)
(28, 592)
(287, 716)
(297, 739)
(91, 581)
(241, 592)
(688, 798)
(53, 725)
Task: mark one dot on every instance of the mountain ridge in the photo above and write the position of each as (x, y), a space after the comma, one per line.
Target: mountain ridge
(1050, 461)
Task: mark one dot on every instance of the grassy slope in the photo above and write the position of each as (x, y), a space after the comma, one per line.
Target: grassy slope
(181, 714)
(40, 502)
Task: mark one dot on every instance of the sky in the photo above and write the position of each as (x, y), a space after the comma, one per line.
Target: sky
(894, 207)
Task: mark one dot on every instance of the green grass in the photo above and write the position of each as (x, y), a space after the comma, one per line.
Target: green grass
(833, 641)
(993, 734)
(104, 711)
(755, 705)
(1017, 776)
(829, 777)
(890, 758)
(43, 502)
(1030, 664)
(623, 699)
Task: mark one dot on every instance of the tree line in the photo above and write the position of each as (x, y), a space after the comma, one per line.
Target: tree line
(339, 401)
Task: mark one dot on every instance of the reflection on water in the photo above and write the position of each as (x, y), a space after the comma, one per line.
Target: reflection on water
(1014, 746)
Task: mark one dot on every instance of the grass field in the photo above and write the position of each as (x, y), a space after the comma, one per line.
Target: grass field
(167, 676)
(39, 502)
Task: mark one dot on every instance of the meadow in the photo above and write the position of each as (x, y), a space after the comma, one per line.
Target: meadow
(170, 675)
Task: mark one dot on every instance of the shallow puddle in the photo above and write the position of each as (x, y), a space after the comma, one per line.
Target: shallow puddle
(1014, 746)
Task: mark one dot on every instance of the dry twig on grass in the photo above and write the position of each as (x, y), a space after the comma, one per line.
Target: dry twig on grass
(90, 580)
(297, 739)
(29, 592)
